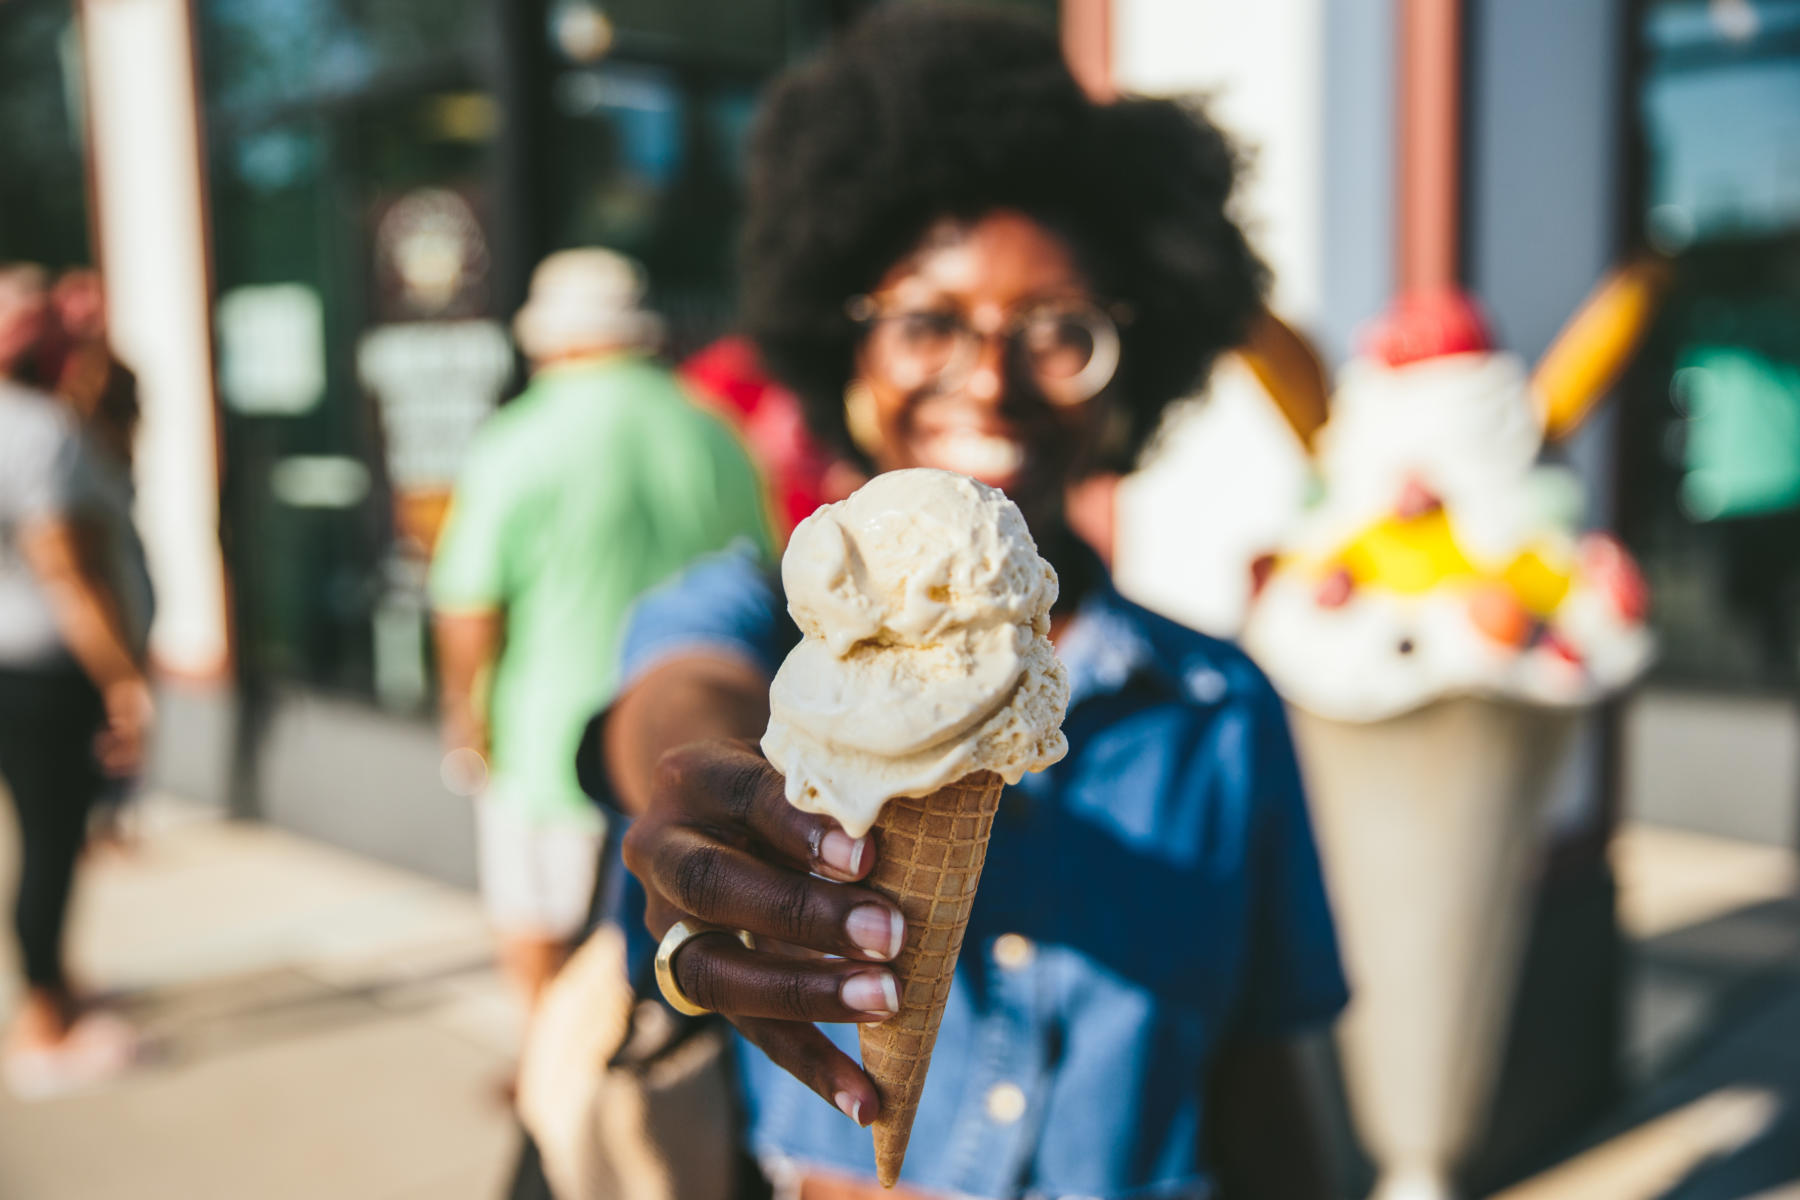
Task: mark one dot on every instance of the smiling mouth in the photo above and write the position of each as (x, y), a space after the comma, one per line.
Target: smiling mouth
(985, 456)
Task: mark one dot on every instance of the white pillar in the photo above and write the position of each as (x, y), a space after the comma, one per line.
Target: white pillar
(1231, 471)
(149, 194)
(1263, 65)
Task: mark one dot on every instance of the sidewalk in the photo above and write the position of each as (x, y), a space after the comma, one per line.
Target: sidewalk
(322, 1026)
(1724, 1127)
(1714, 1051)
(330, 1027)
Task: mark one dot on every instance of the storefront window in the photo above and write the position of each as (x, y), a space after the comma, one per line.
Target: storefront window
(260, 54)
(43, 214)
(620, 146)
(360, 223)
(1713, 456)
(358, 351)
(752, 34)
(648, 159)
(381, 170)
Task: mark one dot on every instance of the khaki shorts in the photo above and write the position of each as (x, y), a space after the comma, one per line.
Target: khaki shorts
(537, 878)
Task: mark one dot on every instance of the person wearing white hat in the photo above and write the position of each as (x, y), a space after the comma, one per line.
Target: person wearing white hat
(598, 482)
(584, 303)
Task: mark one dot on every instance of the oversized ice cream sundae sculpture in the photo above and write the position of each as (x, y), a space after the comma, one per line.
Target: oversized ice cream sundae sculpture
(1436, 620)
(1440, 557)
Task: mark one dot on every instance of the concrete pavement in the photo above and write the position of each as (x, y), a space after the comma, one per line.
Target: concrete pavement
(320, 1026)
(1714, 1028)
(327, 1026)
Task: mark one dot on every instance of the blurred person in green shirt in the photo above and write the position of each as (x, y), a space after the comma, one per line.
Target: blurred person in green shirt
(598, 482)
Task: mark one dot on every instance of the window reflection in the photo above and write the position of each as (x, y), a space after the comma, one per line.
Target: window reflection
(1712, 463)
(43, 214)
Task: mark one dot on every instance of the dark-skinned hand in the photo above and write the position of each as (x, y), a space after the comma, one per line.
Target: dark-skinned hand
(718, 842)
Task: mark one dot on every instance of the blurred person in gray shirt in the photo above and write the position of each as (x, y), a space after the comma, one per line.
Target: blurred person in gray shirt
(75, 705)
(102, 393)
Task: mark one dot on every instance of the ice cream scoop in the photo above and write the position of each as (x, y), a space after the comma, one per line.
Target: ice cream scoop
(923, 682)
(925, 613)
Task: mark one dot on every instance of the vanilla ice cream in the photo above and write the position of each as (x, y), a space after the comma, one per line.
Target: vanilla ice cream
(925, 655)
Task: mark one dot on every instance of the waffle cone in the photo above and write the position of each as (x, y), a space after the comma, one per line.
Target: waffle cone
(928, 861)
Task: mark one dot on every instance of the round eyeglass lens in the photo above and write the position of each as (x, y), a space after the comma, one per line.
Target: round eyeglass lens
(923, 343)
(1058, 346)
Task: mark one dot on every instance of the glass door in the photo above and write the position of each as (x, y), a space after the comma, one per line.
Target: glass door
(1712, 463)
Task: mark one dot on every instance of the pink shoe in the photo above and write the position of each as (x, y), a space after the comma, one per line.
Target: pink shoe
(97, 1049)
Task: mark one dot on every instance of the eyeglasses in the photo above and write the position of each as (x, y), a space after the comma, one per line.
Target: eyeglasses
(1070, 350)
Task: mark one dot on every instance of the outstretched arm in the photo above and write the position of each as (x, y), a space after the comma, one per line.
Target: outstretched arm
(693, 698)
(715, 839)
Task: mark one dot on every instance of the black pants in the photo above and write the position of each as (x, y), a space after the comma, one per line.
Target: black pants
(48, 719)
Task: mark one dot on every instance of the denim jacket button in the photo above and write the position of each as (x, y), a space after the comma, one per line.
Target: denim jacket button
(1012, 951)
(1005, 1103)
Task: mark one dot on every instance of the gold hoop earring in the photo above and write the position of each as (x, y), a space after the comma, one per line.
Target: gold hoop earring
(859, 418)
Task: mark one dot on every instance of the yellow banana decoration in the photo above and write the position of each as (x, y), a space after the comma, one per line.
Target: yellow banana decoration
(1289, 370)
(1589, 354)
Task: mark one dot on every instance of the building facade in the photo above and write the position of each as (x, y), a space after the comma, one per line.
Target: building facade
(316, 219)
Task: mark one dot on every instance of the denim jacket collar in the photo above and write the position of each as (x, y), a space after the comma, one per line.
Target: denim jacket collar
(1112, 644)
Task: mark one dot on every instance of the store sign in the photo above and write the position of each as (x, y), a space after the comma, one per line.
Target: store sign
(433, 383)
(431, 256)
(271, 349)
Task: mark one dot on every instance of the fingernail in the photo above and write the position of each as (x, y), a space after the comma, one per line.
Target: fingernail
(841, 852)
(877, 929)
(871, 992)
(849, 1105)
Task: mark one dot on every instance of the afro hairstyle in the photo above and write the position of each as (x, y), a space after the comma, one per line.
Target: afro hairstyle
(922, 112)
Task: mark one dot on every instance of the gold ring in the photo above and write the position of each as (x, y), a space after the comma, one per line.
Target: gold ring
(679, 935)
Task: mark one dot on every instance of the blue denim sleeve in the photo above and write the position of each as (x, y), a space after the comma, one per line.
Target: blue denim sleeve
(1294, 979)
(725, 602)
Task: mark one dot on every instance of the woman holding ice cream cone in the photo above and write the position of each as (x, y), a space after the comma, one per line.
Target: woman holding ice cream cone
(961, 262)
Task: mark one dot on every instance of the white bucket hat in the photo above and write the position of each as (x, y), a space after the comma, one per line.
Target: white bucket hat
(585, 300)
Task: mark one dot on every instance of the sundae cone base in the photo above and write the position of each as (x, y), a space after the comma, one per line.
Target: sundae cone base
(1419, 1184)
(1430, 827)
(929, 855)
